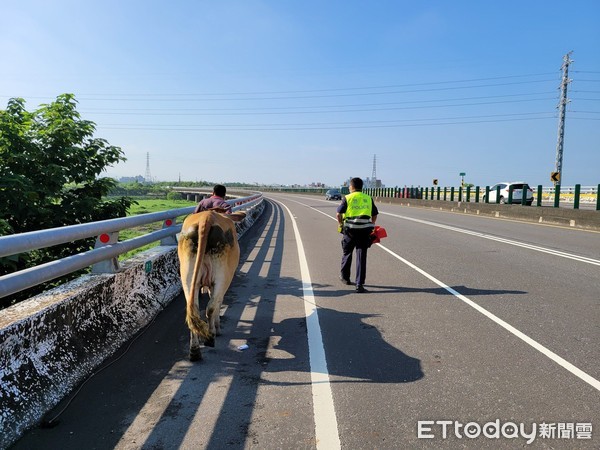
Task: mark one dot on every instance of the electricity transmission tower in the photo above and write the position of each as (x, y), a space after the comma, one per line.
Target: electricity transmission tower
(374, 174)
(562, 107)
(148, 176)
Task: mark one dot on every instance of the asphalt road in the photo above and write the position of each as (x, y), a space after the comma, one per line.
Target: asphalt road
(468, 320)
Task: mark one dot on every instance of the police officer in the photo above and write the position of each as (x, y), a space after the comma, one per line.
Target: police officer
(356, 217)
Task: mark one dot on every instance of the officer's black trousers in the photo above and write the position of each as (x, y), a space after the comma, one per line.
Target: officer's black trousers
(359, 240)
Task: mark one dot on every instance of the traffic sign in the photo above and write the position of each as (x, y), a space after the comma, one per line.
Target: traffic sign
(462, 174)
(435, 181)
(555, 177)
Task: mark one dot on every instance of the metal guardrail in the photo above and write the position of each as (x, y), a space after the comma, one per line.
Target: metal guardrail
(103, 257)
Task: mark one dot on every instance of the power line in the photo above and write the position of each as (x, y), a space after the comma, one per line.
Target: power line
(430, 83)
(322, 112)
(285, 127)
(279, 108)
(355, 122)
(193, 98)
(318, 96)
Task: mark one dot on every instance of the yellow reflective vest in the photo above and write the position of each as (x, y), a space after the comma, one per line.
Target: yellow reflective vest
(358, 213)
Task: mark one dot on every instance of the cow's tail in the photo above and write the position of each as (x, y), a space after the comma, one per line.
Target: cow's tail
(193, 319)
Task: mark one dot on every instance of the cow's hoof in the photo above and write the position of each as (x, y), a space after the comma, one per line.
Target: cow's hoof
(195, 355)
(210, 342)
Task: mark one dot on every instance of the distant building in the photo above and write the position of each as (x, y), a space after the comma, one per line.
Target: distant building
(373, 183)
(139, 179)
(368, 183)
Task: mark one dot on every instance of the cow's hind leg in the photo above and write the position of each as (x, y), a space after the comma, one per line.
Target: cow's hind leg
(195, 353)
(213, 311)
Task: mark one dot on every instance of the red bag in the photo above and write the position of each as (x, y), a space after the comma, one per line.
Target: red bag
(378, 234)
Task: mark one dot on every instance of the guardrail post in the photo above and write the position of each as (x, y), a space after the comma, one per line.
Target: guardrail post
(452, 194)
(110, 265)
(539, 195)
(524, 190)
(598, 198)
(556, 195)
(498, 194)
(468, 194)
(445, 192)
(510, 194)
(576, 197)
(487, 194)
(169, 240)
(476, 194)
(460, 191)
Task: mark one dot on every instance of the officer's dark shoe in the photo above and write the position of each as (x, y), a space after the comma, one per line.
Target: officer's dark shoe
(345, 280)
(360, 289)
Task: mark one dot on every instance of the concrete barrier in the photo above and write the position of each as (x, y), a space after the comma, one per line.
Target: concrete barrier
(52, 342)
(575, 218)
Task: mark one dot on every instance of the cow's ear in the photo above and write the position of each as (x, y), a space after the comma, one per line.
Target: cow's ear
(218, 210)
(237, 216)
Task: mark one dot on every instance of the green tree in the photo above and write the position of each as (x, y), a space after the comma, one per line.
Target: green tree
(50, 166)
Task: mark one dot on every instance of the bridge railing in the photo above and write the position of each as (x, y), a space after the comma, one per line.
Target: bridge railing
(572, 195)
(103, 258)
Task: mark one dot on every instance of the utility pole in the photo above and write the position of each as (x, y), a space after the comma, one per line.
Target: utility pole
(562, 107)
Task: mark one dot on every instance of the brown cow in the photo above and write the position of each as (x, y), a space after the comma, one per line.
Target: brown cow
(208, 257)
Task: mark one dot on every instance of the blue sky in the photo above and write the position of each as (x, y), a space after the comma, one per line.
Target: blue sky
(295, 92)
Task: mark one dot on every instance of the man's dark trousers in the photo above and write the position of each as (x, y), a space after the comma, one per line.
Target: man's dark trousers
(360, 240)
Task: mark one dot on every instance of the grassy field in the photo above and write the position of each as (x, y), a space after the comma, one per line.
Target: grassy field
(148, 206)
(153, 205)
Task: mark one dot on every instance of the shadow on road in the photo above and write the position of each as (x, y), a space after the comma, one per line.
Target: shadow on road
(466, 291)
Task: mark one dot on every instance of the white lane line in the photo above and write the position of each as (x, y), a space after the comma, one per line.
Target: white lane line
(536, 345)
(539, 347)
(326, 427)
(537, 248)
